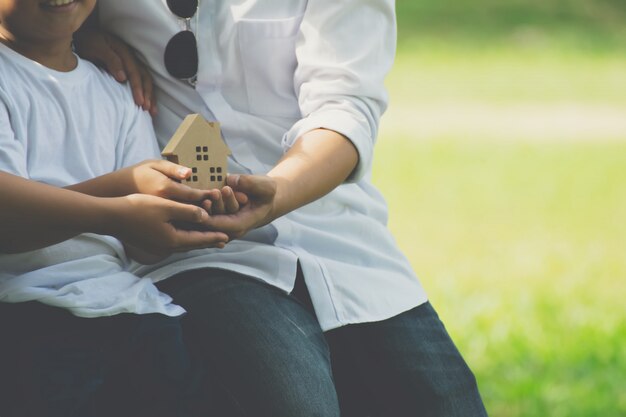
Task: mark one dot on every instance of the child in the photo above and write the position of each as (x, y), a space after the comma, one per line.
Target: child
(70, 314)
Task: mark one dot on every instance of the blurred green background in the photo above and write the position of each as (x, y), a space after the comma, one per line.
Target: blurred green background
(503, 160)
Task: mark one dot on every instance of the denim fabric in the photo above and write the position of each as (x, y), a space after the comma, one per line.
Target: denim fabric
(405, 366)
(264, 355)
(53, 364)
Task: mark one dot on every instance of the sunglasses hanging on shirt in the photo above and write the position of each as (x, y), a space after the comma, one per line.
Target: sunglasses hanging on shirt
(181, 52)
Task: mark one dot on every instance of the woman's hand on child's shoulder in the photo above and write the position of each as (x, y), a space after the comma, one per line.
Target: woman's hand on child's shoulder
(120, 61)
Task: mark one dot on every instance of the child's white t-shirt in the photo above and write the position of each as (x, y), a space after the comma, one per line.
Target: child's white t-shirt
(62, 128)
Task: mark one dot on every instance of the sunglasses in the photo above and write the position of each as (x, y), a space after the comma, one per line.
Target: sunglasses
(181, 52)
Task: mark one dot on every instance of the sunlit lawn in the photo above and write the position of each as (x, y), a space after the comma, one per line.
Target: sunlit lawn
(518, 233)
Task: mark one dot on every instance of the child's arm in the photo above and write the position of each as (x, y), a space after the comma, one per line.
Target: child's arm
(35, 215)
(155, 177)
(161, 178)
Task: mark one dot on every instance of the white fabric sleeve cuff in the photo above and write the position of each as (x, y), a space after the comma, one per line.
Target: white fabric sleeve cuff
(350, 124)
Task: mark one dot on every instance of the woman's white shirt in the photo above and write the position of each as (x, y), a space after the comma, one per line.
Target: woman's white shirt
(270, 71)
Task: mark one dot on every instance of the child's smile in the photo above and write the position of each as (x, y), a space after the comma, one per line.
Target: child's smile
(59, 5)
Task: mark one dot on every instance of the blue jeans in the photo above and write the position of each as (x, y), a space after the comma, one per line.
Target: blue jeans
(265, 355)
(54, 364)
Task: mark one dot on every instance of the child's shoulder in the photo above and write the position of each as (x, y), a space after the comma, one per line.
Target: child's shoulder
(8, 64)
(10, 72)
(119, 91)
(17, 73)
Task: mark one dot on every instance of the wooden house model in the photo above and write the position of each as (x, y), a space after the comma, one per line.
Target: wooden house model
(198, 144)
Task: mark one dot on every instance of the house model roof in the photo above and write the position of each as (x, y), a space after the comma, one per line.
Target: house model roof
(198, 144)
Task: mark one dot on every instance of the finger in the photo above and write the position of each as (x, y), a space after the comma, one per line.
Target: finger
(184, 193)
(242, 198)
(231, 205)
(253, 185)
(112, 61)
(218, 203)
(171, 170)
(148, 91)
(131, 68)
(232, 180)
(207, 205)
(187, 213)
(153, 106)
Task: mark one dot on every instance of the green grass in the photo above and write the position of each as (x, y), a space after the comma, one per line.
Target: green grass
(518, 234)
(516, 224)
(521, 247)
(500, 75)
(593, 25)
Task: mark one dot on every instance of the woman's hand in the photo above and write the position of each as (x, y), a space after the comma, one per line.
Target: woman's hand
(107, 50)
(259, 192)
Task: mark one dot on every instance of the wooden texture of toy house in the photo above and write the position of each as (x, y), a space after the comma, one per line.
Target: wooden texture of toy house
(198, 144)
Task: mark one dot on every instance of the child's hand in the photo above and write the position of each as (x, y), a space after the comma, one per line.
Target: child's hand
(161, 178)
(147, 223)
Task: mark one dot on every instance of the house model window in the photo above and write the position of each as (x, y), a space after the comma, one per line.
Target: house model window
(198, 144)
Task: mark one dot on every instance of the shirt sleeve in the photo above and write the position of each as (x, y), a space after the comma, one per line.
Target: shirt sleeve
(344, 51)
(138, 141)
(12, 151)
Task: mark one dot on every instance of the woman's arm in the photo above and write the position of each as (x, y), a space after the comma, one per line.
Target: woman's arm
(346, 49)
(316, 164)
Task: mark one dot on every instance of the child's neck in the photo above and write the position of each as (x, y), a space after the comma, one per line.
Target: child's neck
(56, 54)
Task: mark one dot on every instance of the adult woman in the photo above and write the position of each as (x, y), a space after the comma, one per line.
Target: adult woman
(297, 88)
